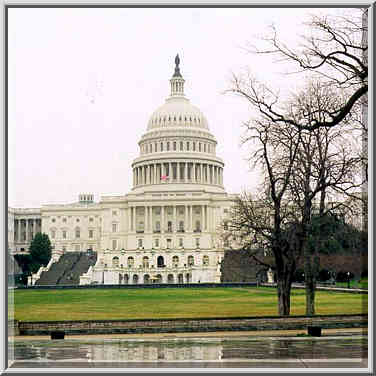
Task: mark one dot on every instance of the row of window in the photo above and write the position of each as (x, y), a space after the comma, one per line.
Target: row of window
(175, 118)
(64, 220)
(175, 146)
(160, 261)
(125, 279)
(156, 244)
(157, 227)
(77, 234)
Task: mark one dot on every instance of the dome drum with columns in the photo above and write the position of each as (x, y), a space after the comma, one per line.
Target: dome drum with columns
(167, 229)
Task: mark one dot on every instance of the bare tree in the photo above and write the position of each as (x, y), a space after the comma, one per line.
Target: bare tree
(336, 51)
(298, 166)
(263, 221)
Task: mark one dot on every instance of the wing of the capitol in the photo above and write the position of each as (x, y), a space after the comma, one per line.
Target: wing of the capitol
(165, 229)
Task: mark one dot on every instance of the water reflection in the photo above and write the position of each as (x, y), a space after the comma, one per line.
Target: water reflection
(192, 349)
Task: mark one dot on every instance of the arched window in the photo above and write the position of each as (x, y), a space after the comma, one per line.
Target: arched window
(135, 279)
(155, 147)
(169, 226)
(174, 145)
(204, 148)
(146, 278)
(170, 278)
(115, 262)
(199, 146)
(187, 145)
(180, 278)
(191, 261)
(181, 145)
(168, 146)
(160, 261)
(77, 233)
(194, 146)
(205, 260)
(130, 262)
(145, 262)
(175, 261)
(161, 146)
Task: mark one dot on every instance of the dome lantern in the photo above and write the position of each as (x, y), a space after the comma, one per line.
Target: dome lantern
(177, 81)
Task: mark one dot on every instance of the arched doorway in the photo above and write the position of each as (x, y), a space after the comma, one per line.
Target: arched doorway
(135, 279)
(146, 278)
(160, 261)
(125, 279)
(158, 279)
(188, 278)
(180, 278)
(170, 278)
(120, 279)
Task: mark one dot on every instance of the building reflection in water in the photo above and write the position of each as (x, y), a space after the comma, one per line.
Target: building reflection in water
(126, 351)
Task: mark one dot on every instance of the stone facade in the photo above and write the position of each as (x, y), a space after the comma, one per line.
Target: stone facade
(166, 229)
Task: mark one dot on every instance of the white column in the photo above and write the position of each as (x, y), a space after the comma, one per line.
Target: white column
(174, 219)
(162, 219)
(170, 171)
(27, 230)
(202, 218)
(212, 174)
(186, 227)
(155, 173)
(201, 174)
(206, 217)
(146, 219)
(19, 231)
(129, 223)
(134, 219)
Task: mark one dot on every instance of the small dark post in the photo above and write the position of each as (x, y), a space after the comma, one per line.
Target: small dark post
(314, 331)
(57, 334)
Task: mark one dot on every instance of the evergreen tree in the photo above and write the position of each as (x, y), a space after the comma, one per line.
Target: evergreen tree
(40, 249)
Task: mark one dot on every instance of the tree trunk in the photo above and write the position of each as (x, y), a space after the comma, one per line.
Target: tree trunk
(311, 271)
(284, 290)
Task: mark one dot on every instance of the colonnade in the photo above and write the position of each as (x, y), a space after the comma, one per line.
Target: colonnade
(26, 228)
(206, 217)
(178, 172)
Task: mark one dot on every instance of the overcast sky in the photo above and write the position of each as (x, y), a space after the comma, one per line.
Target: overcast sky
(84, 82)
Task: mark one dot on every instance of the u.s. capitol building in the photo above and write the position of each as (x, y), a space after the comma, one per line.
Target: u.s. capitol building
(167, 229)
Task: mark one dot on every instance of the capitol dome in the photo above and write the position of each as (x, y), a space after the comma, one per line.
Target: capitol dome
(177, 151)
(177, 112)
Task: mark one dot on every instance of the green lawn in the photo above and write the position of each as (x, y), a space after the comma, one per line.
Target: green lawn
(363, 284)
(102, 304)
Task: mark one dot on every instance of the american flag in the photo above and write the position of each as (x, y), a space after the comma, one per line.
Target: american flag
(164, 177)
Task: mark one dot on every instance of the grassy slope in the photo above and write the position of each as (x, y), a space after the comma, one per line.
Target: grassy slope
(91, 304)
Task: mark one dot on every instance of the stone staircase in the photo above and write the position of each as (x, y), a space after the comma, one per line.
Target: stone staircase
(68, 269)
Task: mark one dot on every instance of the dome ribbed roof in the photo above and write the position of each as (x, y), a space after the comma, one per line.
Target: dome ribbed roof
(177, 112)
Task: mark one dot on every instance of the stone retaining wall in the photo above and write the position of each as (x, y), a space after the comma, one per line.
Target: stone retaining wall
(192, 325)
(186, 285)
